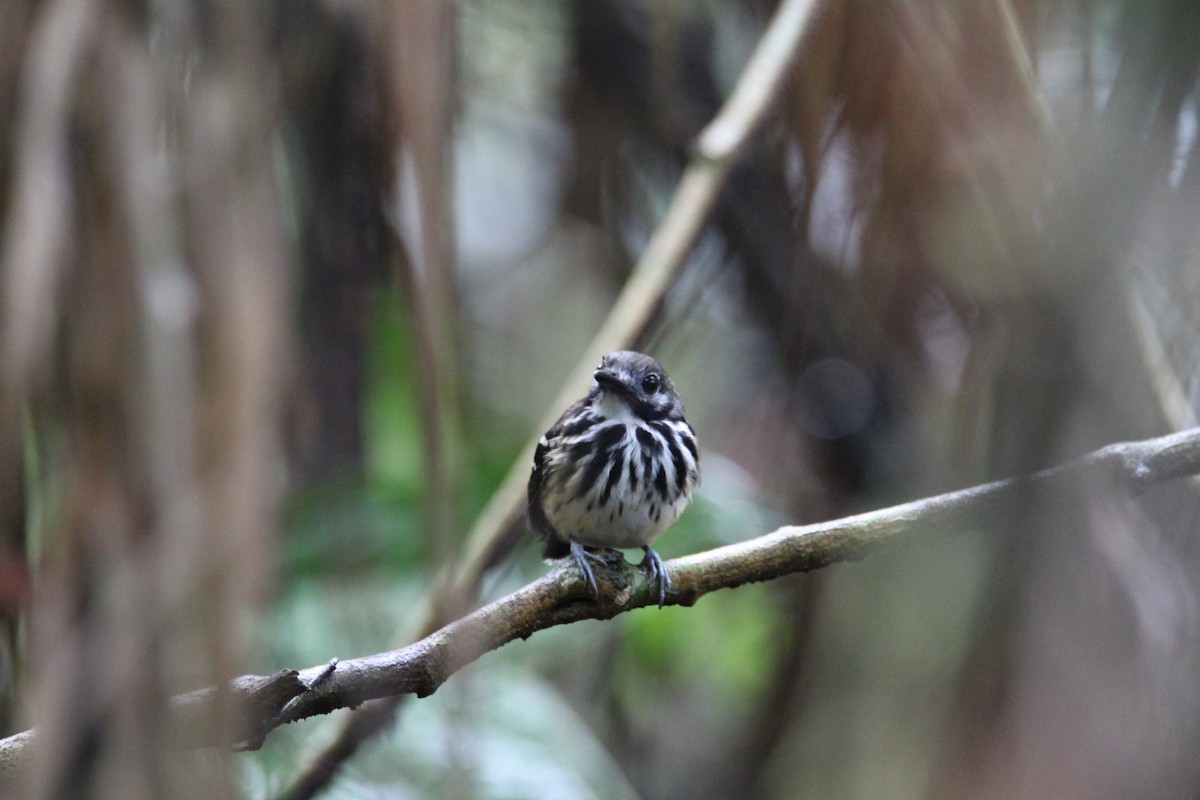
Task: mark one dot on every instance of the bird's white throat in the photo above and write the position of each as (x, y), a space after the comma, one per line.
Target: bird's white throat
(611, 406)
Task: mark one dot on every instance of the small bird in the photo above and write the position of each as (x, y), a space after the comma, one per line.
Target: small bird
(617, 469)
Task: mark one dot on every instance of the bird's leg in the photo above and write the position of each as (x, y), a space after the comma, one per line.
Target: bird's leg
(581, 556)
(658, 570)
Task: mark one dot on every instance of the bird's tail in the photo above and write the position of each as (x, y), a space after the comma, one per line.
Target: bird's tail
(555, 549)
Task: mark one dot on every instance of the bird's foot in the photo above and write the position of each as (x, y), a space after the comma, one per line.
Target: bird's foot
(581, 555)
(654, 563)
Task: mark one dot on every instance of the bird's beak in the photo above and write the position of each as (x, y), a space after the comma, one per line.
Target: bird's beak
(608, 380)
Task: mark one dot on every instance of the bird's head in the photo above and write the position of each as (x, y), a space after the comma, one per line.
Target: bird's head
(639, 382)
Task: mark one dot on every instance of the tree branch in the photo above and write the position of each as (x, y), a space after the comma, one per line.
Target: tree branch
(561, 597)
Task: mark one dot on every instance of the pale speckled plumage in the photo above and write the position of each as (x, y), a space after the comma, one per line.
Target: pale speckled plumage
(623, 426)
(628, 516)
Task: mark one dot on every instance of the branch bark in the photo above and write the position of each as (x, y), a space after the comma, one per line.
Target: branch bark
(561, 597)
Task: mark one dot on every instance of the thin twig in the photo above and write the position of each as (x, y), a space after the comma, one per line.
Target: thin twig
(37, 236)
(1022, 65)
(38, 224)
(562, 597)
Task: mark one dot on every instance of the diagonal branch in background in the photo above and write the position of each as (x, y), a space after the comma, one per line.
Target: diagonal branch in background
(562, 597)
(717, 150)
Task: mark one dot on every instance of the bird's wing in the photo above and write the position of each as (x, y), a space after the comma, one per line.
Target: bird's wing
(556, 545)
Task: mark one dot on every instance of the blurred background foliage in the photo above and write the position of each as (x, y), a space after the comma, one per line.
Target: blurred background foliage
(286, 287)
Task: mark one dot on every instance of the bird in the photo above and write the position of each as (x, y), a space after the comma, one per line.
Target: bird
(617, 468)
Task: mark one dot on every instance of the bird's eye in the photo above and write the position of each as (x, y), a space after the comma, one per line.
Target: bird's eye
(650, 383)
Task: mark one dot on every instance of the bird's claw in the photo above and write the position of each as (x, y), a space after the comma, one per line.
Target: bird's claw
(654, 563)
(581, 556)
